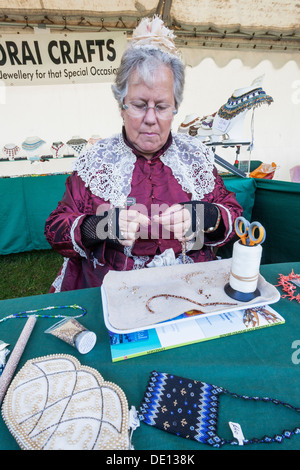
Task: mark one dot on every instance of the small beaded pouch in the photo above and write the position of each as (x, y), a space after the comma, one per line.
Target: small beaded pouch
(190, 409)
(55, 403)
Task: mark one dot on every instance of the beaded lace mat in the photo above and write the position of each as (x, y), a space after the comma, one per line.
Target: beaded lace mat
(129, 295)
(55, 403)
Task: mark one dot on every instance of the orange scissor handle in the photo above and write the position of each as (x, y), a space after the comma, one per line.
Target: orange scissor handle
(247, 231)
(254, 227)
(241, 228)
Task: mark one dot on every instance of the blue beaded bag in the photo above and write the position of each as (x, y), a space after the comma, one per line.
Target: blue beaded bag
(189, 408)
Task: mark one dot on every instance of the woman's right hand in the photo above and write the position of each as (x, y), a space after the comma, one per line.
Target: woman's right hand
(129, 225)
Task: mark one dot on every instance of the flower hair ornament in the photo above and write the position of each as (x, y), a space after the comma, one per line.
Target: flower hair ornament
(152, 33)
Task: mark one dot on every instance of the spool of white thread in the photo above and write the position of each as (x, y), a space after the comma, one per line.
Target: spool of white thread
(244, 271)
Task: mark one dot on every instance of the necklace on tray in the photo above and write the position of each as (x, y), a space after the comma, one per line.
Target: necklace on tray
(184, 298)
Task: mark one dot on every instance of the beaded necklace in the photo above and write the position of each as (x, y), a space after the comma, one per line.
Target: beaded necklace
(184, 298)
(278, 438)
(34, 313)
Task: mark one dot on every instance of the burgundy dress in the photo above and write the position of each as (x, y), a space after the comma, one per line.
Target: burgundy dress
(111, 172)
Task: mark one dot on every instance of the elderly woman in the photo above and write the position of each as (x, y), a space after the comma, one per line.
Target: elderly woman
(145, 197)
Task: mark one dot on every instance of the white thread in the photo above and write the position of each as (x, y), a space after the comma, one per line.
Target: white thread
(245, 267)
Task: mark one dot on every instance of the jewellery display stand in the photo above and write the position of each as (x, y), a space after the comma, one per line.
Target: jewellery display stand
(224, 163)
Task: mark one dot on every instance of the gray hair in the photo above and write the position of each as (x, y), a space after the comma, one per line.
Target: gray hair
(146, 60)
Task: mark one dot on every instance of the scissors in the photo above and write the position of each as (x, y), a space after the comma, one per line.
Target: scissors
(246, 231)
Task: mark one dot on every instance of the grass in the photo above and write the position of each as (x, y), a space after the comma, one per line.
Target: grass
(29, 273)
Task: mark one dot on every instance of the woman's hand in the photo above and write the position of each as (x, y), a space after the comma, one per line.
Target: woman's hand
(176, 219)
(129, 225)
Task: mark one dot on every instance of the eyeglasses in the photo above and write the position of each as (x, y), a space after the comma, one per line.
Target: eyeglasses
(139, 110)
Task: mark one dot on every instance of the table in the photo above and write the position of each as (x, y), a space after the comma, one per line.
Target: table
(259, 363)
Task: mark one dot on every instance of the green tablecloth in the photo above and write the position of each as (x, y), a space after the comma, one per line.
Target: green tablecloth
(258, 363)
(27, 202)
(277, 207)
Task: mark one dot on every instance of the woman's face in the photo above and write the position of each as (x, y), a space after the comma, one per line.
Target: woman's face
(149, 133)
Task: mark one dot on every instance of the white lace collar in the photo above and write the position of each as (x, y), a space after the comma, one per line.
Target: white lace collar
(192, 165)
(107, 167)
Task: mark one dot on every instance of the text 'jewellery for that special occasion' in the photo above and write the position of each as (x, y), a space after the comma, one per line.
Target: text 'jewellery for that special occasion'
(190, 409)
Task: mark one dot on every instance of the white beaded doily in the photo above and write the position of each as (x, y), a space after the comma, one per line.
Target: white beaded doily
(55, 403)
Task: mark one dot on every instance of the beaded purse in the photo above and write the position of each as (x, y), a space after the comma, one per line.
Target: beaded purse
(55, 403)
(190, 409)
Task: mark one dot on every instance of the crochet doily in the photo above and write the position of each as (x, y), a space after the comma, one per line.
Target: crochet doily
(55, 403)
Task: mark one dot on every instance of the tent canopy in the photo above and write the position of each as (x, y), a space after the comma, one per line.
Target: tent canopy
(228, 23)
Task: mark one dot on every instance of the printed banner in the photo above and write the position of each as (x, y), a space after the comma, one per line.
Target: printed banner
(43, 59)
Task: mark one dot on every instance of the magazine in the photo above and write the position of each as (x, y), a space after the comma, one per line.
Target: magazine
(182, 333)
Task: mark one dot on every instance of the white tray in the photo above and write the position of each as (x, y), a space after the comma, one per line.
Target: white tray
(148, 280)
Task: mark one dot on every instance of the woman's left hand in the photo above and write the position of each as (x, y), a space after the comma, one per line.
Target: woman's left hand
(176, 219)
